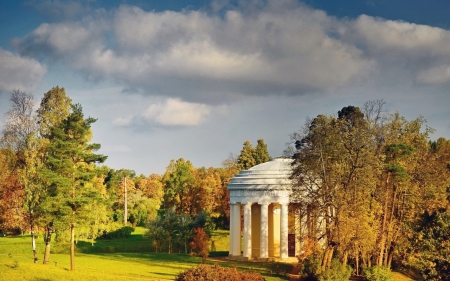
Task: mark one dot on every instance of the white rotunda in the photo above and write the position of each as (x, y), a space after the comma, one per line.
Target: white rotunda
(269, 230)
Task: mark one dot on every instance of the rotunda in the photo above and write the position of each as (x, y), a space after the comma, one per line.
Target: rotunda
(268, 231)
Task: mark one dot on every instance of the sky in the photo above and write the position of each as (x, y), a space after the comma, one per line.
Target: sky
(196, 79)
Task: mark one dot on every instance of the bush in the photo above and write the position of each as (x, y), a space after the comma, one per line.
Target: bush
(124, 232)
(336, 272)
(378, 273)
(311, 268)
(215, 272)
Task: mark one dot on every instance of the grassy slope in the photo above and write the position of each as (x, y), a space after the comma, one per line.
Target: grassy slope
(128, 259)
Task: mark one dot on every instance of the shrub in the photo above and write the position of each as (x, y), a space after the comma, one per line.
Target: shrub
(336, 272)
(124, 232)
(215, 272)
(378, 273)
(311, 268)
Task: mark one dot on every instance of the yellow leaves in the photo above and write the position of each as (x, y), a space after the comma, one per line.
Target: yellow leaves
(152, 187)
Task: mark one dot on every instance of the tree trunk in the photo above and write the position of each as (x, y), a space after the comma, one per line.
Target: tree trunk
(328, 255)
(345, 258)
(383, 227)
(33, 245)
(357, 260)
(72, 246)
(48, 240)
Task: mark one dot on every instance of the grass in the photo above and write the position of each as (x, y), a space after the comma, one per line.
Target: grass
(119, 259)
(122, 259)
(400, 277)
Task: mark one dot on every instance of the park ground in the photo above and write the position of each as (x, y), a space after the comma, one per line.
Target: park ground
(122, 259)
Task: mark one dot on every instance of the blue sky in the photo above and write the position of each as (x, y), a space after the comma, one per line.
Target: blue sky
(195, 79)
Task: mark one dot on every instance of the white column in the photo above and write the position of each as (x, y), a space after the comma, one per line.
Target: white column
(264, 238)
(248, 230)
(236, 250)
(284, 231)
(230, 251)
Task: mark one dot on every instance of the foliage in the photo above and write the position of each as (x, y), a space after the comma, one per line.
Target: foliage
(311, 268)
(336, 272)
(216, 272)
(378, 273)
(360, 178)
(54, 108)
(251, 156)
(121, 233)
(246, 159)
(69, 169)
(431, 245)
(261, 152)
(200, 243)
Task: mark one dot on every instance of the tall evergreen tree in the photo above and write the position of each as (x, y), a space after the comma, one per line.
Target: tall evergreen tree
(246, 159)
(261, 153)
(69, 170)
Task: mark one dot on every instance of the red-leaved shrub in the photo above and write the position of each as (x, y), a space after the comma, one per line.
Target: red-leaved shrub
(205, 272)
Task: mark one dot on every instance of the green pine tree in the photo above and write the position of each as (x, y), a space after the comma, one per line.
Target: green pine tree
(70, 170)
(246, 159)
(261, 154)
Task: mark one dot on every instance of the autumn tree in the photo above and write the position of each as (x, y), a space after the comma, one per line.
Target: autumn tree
(117, 182)
(21, 140)
(361, 174)
(200, 243)
(54, 108)
(179, 186)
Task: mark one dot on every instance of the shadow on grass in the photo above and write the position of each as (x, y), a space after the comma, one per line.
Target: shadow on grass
(114, 246)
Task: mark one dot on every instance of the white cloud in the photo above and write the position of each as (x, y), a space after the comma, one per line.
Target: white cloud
(381, 35)
(436, 75)
(174, 112)
(17, 72)
(281, 47)
(201, 57)
(123, 121)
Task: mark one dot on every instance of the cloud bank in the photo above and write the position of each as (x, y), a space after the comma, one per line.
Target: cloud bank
(196, 59)
(18, 72)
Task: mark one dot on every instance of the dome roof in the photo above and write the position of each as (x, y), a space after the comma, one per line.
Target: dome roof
(270, 175)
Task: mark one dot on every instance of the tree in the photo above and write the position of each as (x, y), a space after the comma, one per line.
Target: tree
(20, 138)
(431, 245)
(54, 108)
(178, 186)
(261, 153)
(360, 176)
(69, 170)
(246, 159)
(250, 156)
(200, 243)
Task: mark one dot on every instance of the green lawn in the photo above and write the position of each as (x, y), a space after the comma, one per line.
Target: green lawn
(121, 259)
(125, 259)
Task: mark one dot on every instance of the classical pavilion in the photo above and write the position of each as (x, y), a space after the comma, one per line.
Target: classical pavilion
(263, 194)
